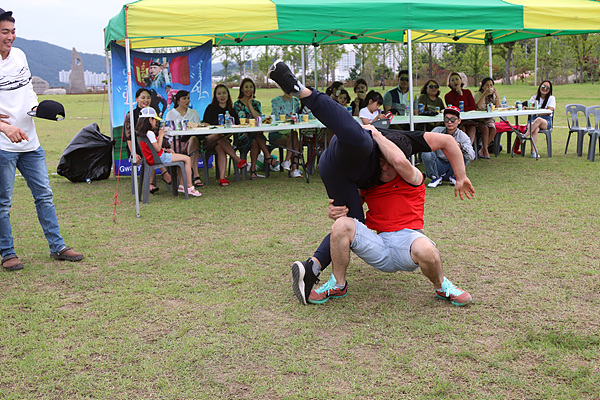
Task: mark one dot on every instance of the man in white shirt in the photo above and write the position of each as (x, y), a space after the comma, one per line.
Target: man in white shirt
(20, 148)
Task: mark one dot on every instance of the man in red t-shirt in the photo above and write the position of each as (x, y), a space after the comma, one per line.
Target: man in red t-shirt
(392, 237)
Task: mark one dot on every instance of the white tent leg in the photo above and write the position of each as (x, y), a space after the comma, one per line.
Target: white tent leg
(410, 88)
(490, 61)
(133, 147)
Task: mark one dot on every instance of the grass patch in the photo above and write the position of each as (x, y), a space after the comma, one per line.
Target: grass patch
(193, 299)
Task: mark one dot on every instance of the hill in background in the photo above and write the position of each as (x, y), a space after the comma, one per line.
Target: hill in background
(46, 60)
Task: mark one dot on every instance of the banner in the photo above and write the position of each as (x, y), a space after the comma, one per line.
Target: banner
(163, 74)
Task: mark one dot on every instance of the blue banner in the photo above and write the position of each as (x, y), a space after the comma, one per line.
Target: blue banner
(164, 74)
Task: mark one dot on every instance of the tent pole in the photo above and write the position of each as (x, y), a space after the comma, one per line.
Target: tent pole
(110, 105)
(490, 60)
(410, 81)
(410, 88)
(302, 56)
(315, 62)
(535, 69)
(133, 147)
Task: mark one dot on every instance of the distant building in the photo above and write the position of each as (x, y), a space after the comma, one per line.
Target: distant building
(91, 78)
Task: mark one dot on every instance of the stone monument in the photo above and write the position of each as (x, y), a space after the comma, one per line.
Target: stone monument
(39, 85)
(76, 79)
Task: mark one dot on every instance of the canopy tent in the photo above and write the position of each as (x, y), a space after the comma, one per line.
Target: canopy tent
(156, 23)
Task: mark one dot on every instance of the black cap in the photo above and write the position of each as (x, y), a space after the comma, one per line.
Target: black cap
(49, 109)
(3, 13)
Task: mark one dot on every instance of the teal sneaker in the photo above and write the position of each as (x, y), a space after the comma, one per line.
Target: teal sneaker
(327, 291)
(457, 296)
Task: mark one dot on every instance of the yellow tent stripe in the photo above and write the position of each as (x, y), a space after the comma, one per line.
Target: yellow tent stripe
(247, 16)
(560, 14)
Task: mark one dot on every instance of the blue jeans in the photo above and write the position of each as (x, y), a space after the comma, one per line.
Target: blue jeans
(32, 165)
(437, 167)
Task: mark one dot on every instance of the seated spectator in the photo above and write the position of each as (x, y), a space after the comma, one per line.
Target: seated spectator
(371, 112)
(437, 166)
(334, 90)
(486, 94)
(247, 106)
(430, 96)
(148, 124)
(143, 99)
(220, 104)
(343, 98)
(189, 145)
(396, 100)
(458, 94)
(360, 89)
(287, 105)
(543, 99)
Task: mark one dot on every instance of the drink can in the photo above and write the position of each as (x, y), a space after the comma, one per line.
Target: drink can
(294, 118)
(258, 121)
(437, 109)
(221, 119)
(519, 105)
(349, 109)
(461, 106)
(184, 125)
(421, 107)
(489, 107)
(310, 115)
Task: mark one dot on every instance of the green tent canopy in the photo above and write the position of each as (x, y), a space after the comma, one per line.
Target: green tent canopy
(156, 23)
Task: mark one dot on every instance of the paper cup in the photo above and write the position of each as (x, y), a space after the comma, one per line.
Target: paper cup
(282, 117)
(243, 121)
(252, 122)
(304, 117)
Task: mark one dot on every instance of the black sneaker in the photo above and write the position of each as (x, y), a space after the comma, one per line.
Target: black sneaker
(287, 81)
(303, 279)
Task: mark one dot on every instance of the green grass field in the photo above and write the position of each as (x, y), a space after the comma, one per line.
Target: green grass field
(193, 300)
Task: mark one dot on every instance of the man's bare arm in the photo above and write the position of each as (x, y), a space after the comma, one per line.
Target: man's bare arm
(396, 158)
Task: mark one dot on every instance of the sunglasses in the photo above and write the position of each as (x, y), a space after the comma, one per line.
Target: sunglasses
(452, 120)
(404, 79)
(545, 87)
(433, 87)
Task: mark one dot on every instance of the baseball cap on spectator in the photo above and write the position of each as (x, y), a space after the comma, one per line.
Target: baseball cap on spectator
(49, 109)
(149, 112)
(452, 110)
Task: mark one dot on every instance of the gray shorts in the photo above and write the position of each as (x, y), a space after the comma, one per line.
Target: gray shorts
(386, 251)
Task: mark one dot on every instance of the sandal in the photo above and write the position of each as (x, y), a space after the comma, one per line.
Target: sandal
(154, 188)
(165, 181)
(67, 254)
(253, 174)
(242, 164)
(198, 182)
(274, 164)
(13, 265)
(223, 182)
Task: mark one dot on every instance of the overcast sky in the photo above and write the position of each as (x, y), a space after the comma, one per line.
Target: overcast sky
(65, 23)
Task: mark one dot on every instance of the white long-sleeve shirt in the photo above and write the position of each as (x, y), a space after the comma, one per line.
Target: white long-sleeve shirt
(16, 99)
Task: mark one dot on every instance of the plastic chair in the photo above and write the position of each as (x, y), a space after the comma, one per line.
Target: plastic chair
(593, 131)
(548, 133)
(572, 111)
(146, 172)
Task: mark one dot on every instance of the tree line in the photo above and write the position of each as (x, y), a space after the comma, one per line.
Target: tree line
(561, 59)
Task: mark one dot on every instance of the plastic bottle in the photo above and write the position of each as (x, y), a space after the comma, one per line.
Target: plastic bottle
(228, 122)
(503, 101)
